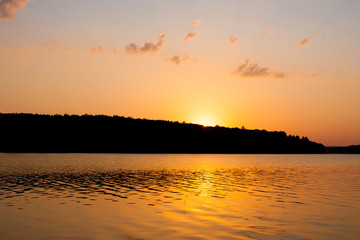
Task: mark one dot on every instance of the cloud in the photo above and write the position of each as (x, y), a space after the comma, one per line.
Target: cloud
(196, 23)
(313, 75)
(52, 46)
(251, 70)
(279, 75)
(309, 76)
(9, 7)
(232, 40)
(232, 43)
(177, 59)
(190, 35)
(270, 31)
(148, 48)
(303, 42)
(97, 50)
(20, 50)
(115, 51)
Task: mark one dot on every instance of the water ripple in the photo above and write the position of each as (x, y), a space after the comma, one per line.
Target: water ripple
(253, 202)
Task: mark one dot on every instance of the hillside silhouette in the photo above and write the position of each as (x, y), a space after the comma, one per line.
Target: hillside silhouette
(105, 134)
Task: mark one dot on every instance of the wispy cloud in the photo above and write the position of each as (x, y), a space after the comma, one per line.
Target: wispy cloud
(280, 75)
(252, 70)
(148, 48)
(20, 50)
(52, 46)
(97, 50)
(303, 42)
(196, 23)
(312, 76)
(270, 31)
(115, 51)
(190, 35)
(233, 40)
(232, 43)
(177, 59)
(8, 8)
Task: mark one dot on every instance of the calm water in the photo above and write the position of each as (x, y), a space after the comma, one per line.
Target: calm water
(119, 196)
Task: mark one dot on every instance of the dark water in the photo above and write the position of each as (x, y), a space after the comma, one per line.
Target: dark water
(112, 196)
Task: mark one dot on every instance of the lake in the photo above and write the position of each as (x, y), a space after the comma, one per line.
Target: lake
(185, 196)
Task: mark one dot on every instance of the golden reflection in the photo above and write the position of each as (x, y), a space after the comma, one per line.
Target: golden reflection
(206, 202)
(205, 185)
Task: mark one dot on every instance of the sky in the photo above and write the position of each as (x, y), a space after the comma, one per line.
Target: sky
(278, 65)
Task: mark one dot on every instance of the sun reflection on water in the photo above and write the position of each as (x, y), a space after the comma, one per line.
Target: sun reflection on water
(204, 201)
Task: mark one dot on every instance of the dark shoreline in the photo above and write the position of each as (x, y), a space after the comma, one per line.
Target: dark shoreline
(353, 149)
(33, 133)
(184, 153)
(172, 153)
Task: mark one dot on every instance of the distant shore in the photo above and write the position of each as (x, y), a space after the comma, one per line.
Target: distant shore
(353, 149)
(34, 133)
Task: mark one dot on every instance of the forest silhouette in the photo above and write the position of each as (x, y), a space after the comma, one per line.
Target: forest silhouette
(34, 133)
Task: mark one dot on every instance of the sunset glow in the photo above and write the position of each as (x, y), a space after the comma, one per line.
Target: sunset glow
(206, 122)
(274, 65)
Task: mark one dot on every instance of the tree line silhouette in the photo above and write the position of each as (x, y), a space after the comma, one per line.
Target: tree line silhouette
(353, 149)
(105, 134)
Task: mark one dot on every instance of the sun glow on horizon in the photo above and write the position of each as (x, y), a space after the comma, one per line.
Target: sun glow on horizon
(206, 121)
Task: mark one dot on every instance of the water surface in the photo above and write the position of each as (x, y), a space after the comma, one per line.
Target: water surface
(120, 196)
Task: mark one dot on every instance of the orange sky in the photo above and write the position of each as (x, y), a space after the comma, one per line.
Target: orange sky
(274, 65)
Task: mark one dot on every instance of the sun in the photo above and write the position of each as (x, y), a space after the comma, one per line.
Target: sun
(207, 122)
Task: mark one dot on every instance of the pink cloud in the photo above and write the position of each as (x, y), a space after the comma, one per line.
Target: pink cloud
(97, 50)
(303, 42)
(115, 51)
(232, 40)
(177, 59)
(270, 31)
(8, 8)
(279, 75)
(196, 23)
(190, 35)
(20, 50)
(252, 70)
(232, 43)
(148, 48)
(309, 76)
(52, 46)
